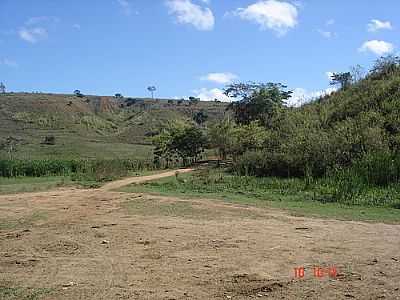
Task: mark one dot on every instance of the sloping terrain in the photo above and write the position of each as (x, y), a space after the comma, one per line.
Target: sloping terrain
(90, 126)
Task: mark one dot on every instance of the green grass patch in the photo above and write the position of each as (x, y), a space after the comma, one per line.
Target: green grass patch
(293, 195)
(21, 293)
(32, 184)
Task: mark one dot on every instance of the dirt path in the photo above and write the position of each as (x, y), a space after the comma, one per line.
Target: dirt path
(102, 244)
(124, 182)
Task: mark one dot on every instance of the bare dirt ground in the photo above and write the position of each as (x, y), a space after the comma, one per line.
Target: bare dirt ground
(101, 244)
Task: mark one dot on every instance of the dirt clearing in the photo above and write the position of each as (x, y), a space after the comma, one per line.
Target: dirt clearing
(100, 244)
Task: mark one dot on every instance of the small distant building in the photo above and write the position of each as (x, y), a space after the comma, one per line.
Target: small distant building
(2, 88)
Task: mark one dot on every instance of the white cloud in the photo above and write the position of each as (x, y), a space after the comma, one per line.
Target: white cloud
(301, 96)
(126, 7)
(326, 34)
(376, 25)
(188, 13)
(9, 63)
(212, 94)
(278, 16)
(32, 35)
(221, 78)
(377, 47)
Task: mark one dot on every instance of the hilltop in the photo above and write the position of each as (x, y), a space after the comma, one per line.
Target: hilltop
(90, 126)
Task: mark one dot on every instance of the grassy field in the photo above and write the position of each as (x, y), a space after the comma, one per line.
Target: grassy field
(32, 184)
(287, 194)
(88, 127)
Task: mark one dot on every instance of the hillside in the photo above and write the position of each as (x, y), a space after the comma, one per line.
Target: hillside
(89, 126)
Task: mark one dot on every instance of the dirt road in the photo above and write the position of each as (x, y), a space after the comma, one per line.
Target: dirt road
(102, 244)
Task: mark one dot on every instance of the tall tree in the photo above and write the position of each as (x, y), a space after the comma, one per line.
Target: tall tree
(344, 79)
(259, 101)
(152, 89)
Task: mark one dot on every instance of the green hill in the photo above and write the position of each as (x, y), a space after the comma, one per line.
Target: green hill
(88, 126)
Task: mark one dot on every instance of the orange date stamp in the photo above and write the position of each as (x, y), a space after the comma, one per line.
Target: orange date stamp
(318, 272)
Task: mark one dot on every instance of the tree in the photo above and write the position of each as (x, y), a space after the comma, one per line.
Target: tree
(193, 100)
(119, 96)
(78, 93)
(10, 145)
(2, 88)
(259, 101)
(344, 79)
(221, 137)
(385, 66)
(179, 141)
(152, 89)
(200, 117)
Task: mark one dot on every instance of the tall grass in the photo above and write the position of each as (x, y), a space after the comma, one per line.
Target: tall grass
(95, 169)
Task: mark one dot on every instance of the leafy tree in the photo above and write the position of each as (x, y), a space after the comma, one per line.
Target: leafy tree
(221, 137)
(179, 141)
(78, 93)
(259, 101)
(119, 96)
(193, 100)
(200, 117)
(343, 79)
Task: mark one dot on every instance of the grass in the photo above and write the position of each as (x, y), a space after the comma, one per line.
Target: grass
(16, 185)
(31, 184)
(21, 293)
(287, 194)
(89, 127)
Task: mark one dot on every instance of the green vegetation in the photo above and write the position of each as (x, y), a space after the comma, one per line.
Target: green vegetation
(179, 142)
(87, 127)
(295, 195)
(22, 293)
(339, 151)
(32, 184)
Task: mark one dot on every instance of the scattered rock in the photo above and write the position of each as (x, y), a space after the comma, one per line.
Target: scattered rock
(302, 228)
(71, 283)
(105, 242)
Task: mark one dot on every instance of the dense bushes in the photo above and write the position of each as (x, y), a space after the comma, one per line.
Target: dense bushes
(97, 169)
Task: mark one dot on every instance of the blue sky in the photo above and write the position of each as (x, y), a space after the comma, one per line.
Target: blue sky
(188, 47)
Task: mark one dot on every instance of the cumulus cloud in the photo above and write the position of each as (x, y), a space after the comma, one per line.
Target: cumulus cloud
(212, 94)
(221, 78)
(32, 35)
(278, 16)
(377, 47)
(376, 25)
(186, 12)
(302, 96)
